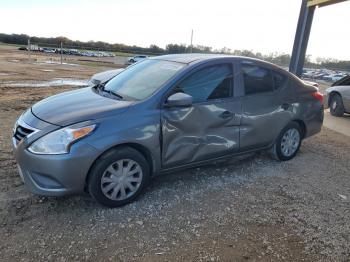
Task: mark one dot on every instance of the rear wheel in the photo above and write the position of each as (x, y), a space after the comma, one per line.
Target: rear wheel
(336, 105)
(118, 177)
(288, 142)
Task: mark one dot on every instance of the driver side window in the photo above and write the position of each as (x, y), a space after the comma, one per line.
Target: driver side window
(212, 82)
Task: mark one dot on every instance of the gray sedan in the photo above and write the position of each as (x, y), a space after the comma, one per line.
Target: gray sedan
(161, 115)
(337, 97)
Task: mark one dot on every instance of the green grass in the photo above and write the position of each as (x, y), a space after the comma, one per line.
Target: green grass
(14, 45)
(123, 54)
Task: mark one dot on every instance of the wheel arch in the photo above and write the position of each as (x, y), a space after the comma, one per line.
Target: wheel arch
(138, 147)
(302, 125)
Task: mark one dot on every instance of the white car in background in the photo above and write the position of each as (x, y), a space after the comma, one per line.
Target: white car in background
(337, 97)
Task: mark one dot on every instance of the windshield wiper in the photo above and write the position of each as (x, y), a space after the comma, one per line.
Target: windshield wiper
(101, 87)
(113, 93)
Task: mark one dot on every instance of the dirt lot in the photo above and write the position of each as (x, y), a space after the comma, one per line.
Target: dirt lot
(252, 209)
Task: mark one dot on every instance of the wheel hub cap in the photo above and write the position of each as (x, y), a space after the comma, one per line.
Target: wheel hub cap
(290, 142)
(121, 179)
(334, 105)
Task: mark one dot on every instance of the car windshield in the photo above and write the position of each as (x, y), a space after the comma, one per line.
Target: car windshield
(143, 79)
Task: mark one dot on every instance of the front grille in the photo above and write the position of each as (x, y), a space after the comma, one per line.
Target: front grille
(21, 132)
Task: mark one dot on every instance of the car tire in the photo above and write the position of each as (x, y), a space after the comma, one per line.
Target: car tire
(288, 142)
(132, 61)
(336, 105)
(118, 177)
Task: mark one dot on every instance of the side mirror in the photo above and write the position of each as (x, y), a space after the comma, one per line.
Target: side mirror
(179, 100)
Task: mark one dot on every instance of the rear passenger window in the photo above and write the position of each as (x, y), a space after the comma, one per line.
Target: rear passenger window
(279, 80)
(257, 79)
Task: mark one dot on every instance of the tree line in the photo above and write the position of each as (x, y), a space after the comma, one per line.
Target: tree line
(281, 59)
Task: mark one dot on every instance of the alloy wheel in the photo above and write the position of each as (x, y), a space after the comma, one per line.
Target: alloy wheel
(334, 105)
(290, 142)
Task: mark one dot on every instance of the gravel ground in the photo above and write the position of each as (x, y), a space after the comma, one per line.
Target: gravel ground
(248, 209)
(252, 209)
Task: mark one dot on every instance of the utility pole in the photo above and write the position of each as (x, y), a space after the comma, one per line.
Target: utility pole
(61, 53)
(191, 41)
(28, 47)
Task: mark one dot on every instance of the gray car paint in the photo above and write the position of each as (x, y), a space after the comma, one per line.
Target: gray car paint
(78, 105)
(170, 138)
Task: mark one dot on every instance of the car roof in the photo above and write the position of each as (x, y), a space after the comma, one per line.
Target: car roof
(195, 57)
(189, 58)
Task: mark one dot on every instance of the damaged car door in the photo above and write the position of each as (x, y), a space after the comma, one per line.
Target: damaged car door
(208, 126)
(267, 105)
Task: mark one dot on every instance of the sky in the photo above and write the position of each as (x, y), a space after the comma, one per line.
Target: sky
(259, 25)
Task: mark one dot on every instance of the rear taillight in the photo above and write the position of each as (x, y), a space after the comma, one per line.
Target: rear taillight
(318, 96)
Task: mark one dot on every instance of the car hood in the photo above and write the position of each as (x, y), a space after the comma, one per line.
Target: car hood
(76, 106)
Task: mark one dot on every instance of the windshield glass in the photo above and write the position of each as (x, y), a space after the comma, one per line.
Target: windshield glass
(143, 79)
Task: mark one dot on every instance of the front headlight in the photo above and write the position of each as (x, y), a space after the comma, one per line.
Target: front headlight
(59, 141)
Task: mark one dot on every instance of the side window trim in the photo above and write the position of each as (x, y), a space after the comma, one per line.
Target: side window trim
(286, 79)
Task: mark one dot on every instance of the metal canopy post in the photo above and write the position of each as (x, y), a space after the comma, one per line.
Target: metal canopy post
(303, 32)
(301, 38)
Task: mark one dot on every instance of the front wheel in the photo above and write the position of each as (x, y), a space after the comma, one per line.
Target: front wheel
(288, 142)
(118, 177)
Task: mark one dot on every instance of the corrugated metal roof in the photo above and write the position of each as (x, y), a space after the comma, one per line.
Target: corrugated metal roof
(321, 3)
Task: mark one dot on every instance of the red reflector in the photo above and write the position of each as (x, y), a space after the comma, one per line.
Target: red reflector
(318, 96)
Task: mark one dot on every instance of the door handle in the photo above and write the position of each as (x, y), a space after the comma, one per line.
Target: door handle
(285, 106)
(226, 114)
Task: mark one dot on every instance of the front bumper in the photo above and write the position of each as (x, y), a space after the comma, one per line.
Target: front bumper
(50, 175)
(55, 175)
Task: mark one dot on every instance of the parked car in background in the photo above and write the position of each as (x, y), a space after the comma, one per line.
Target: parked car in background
(337, 97)
(333, 77)
(48, 50)
(337, 77)
(23, 48)
(136, 58)
(160, 115)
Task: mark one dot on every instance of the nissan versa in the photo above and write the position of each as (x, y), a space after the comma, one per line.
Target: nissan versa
(159, 115)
